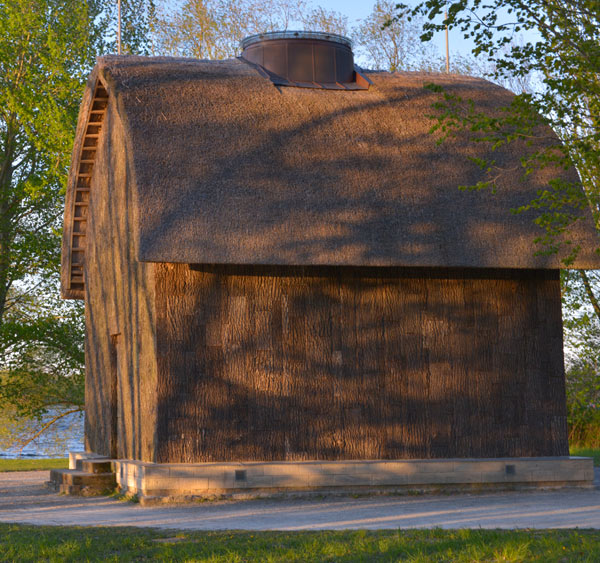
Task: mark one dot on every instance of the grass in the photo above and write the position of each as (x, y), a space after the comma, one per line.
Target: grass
(587, 452)
(45, 543)
(32, 464)
(48, 543)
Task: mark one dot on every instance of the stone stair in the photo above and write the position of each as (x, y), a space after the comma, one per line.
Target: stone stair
(90, 477)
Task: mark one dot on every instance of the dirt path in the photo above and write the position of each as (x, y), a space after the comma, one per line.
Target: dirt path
(24, 498)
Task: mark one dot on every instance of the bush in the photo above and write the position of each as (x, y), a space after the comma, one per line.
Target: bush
(583, 405)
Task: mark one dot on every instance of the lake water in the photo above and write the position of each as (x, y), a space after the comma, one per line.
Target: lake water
(64, 437)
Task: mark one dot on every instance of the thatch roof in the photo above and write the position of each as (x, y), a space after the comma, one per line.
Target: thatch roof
(231, 169)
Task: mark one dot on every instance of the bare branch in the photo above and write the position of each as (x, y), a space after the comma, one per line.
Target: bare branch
(46, 426)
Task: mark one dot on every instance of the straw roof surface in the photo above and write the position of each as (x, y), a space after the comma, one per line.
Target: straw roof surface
(230, 168)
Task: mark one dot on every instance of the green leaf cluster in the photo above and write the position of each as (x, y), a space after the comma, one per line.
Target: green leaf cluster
(47, 49)
(582, 338)
(563, 53)
(558, 44)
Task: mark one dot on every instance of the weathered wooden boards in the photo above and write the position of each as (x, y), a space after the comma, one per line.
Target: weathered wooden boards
(120, 351)
(283, 363)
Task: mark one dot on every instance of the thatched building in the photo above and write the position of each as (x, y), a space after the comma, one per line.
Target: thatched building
(281, 268)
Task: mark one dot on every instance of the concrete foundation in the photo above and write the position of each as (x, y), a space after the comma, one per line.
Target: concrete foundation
(88, 475)
(74, 457)
(172, 482)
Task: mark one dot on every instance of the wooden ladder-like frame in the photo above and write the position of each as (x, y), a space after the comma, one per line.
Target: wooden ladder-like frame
(85, 167)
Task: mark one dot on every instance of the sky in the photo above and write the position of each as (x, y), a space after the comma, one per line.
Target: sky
(357, 9)
(360, 9)
(354, 9)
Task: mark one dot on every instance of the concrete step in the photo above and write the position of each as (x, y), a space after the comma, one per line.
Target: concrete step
(95, 465)
(76, 482)
(74, 457)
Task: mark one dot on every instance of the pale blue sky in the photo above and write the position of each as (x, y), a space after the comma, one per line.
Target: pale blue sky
(357, 9)
(354, 9)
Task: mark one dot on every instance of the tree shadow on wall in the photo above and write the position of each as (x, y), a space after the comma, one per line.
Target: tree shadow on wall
(343, 363)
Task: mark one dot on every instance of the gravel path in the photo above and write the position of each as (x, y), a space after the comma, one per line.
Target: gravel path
(25, 499)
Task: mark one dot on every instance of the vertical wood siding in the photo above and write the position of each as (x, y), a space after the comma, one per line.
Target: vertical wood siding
(120, 353)
(280, 363)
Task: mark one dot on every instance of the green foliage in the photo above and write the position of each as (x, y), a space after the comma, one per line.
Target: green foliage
(395, 46)
(213, 29)
(560, 204)
(42, 357)
(137, 17)
(52, 543)
(583, 404)
(564, 56)
(47, 49)
(45, 52)
(582, 340)
(586, 452)
(42, 365)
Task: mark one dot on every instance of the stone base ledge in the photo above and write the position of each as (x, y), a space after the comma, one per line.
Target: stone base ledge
(178, 481)
(74, 457)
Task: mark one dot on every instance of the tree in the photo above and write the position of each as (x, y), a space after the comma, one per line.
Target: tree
(581, 317)
(137, 17)
(395, 46)
(563, 53)
(213, 29)
(328, 21)
(42, 378)
(47, 49)
(45, 52)
(191, 32)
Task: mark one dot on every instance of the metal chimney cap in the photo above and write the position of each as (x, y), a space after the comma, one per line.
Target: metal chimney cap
(319, 35)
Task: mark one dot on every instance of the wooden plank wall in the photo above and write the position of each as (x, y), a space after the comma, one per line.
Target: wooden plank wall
(120, 354)
(280, 363)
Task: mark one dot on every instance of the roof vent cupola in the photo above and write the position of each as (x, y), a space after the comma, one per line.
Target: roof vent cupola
(308, 59)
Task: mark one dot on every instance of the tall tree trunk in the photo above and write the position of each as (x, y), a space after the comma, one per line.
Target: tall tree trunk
(6, 180)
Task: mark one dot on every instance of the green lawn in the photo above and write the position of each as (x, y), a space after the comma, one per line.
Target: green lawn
(32, 464)
(45, 543)
(587, 452)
